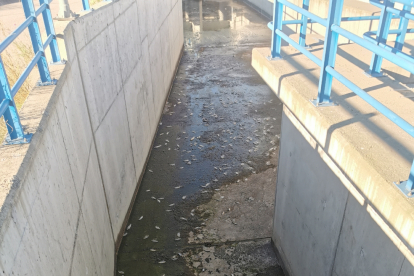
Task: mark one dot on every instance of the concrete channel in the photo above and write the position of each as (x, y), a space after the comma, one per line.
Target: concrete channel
(205, 204)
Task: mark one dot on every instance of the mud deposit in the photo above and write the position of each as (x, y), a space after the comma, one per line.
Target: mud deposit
(205, 204)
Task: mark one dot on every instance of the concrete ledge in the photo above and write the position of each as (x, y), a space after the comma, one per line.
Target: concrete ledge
(368, 150)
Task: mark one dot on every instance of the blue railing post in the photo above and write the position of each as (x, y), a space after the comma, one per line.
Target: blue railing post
(399, 41)
(329, 53)
(11, 117)
(50, 30)
(36, 38)
(304, 25)
(85, 4)
(277, 25)
(382, 34)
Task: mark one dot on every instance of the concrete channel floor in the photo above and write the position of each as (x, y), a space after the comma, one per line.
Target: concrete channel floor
(205, 203)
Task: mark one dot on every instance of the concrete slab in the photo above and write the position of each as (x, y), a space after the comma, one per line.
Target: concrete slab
(75, 125)
(126, 23)
(96, 218)
(364, 247)
(308, 198)
(137, 106)
(116, 161)
(83, 262)
(157, 70)
(91, 25)
(101, 77)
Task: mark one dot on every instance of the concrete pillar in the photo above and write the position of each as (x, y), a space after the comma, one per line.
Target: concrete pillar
(64, 9)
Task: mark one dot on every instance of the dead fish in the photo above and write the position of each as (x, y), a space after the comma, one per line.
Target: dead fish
(183, 218)
(129, 227)
(159, 201)
(161, 262)
(148, 191)
(178, 234)
(156, 227)
(184, 197)
(140, 217)
(215, 180)
(125, 234)
(154, 240)
(146, 237)
(153, 250)
(153, 197)
(205, 186)
(156, 147)
(168, 210)
(178, 187)
(150, 171)
(161, 198)
(171, 204)
(121, 272)
(172, 164)
(192, 138)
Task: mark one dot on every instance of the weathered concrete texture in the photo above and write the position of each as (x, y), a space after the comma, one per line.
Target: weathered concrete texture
(65, 196)
(335, 196)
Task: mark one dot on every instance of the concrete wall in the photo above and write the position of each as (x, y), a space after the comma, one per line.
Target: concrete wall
(69, 198)
(321, 226)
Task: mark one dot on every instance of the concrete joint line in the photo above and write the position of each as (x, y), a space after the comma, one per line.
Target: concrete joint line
(123, 92)
(150, 42)
(122, 13)
(339, 236)
(92, 39)
(93, 137)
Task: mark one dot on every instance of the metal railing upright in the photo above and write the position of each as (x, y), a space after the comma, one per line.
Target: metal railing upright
(378, 46)
(7, 104)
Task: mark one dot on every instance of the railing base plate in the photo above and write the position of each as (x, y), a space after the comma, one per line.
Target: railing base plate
(25, 140)
(275, 58)
(53, 82)
(402, 186)
(371, 74)
(62, 62)
(316, 104)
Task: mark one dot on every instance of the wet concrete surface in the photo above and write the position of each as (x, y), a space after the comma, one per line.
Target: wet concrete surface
(205, 204)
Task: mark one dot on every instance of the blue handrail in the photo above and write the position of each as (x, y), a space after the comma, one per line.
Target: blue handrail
(8, 106)
(377, 46)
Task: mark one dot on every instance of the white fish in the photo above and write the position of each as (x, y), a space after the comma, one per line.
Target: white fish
(183, 218)
(150, 171)
(168, 210)
(153, 197)
(178, 234)
(156, 227)
(141, 217)
(125, 234)
(153, 250)
(148, 191)
(192, 138)
(146, 237)
(178, 187)
(121, 272)
(154, 240)
(171, 204)
(129, 227)
(184, 197)
(156, 147)
(161, 262)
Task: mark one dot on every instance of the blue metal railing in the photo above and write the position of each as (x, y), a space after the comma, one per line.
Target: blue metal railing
(376, 45)
(7, 105)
